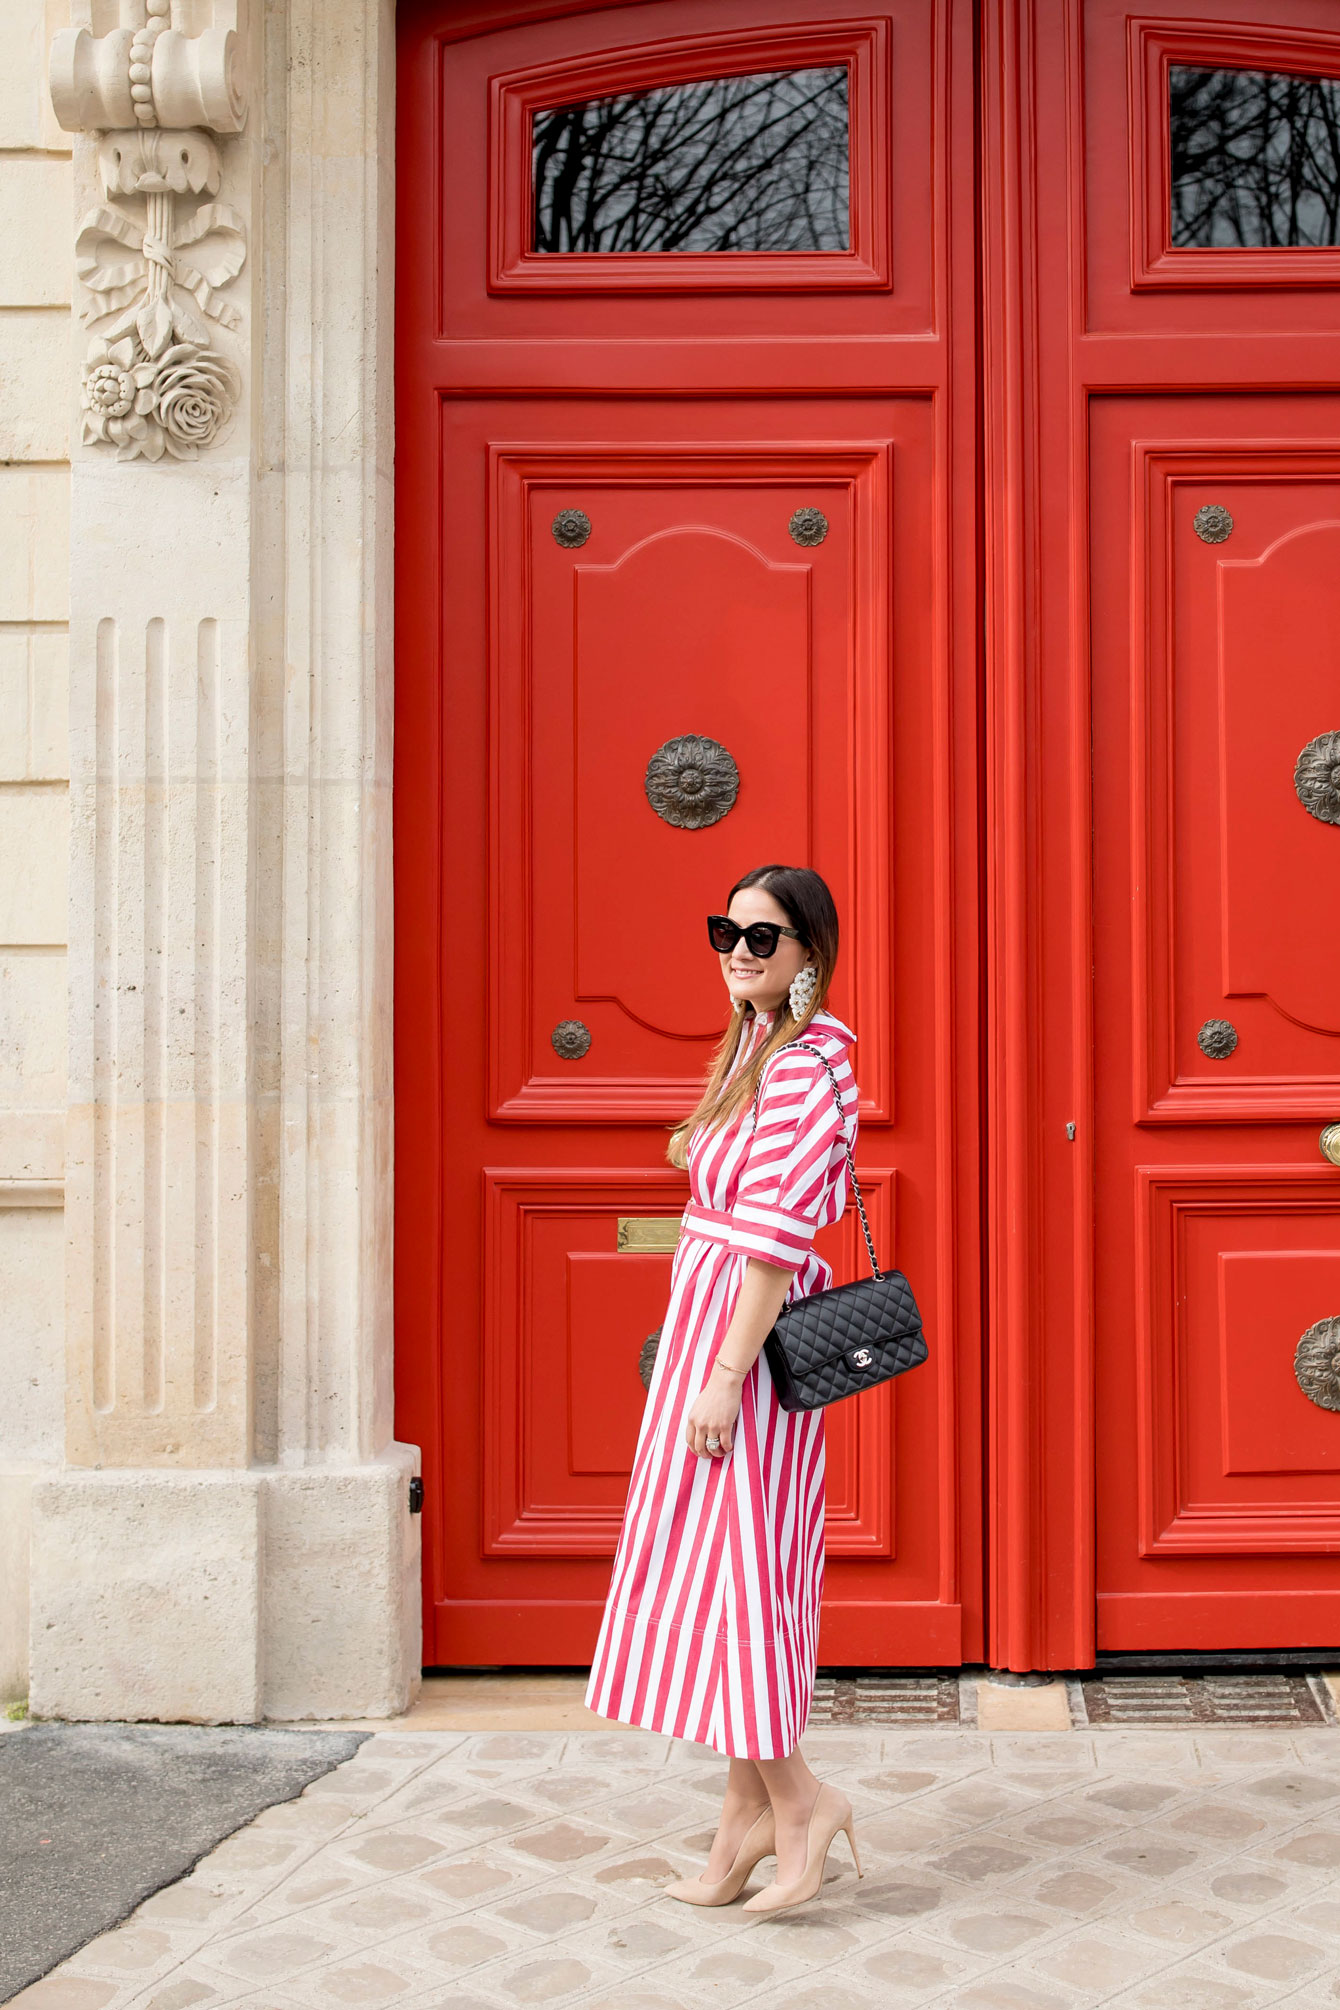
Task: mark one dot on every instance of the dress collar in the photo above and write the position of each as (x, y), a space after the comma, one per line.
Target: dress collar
(828, 1033)
(824, 1030)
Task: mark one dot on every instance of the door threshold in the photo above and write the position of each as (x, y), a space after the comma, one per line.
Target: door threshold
(1189, 1662)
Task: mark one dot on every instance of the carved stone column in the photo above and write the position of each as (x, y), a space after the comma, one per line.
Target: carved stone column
(230, 1538)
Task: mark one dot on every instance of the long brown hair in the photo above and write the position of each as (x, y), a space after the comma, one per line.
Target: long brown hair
(809, 907)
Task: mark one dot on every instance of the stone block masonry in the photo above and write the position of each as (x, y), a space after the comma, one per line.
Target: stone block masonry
(201, 1447)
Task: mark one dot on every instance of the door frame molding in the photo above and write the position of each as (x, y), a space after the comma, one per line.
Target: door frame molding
(1039, 1050)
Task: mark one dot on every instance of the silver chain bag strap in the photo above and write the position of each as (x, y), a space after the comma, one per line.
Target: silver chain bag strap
(851, 1337)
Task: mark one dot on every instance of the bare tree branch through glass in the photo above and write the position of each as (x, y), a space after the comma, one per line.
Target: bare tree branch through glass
(731, 164)
(1255, 158)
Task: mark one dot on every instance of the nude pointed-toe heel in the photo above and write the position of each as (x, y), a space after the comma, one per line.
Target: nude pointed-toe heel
(832, 1811)
(758, 1842)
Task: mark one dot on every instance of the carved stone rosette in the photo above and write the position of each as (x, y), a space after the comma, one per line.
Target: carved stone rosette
(154, 263)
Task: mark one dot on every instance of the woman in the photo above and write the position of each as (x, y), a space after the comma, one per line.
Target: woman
(711, 1626)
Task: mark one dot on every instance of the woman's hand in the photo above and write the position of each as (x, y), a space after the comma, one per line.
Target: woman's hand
(713, 1416)
(761, 1296)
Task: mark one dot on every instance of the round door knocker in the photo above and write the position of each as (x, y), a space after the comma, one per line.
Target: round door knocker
(570, 1039)
(1316, 1364)
(1212, 524)
(808, 526)
(571, 527)
(646, 1360)
(692, 782)
(1316, 778)
(1217, 1038)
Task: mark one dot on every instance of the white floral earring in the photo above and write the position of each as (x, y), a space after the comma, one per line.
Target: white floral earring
(803, 987)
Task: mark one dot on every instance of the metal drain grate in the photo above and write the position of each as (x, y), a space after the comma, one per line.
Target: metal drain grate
(1202, 1699)
(885, 1699)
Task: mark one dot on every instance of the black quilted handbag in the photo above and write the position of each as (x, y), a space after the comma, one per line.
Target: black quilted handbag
(836, 1343)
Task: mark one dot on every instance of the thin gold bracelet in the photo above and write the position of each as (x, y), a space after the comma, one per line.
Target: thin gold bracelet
(730, 1367)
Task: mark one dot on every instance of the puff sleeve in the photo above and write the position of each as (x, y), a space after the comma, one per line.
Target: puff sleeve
(794, 1178)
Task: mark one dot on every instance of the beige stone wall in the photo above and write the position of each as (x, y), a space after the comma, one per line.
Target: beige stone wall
(36, 278)
(203, 1512)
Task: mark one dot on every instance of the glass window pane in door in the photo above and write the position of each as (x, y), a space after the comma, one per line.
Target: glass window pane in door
(1255, 158)
(754, 163)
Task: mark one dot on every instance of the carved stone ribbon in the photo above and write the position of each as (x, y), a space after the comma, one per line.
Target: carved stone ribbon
(153, 383)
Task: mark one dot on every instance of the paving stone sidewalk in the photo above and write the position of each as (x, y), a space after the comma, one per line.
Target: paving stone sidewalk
(96, 1817)
(1167, 1869)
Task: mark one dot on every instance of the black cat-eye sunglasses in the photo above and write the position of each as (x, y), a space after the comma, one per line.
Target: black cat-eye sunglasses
(761, 937)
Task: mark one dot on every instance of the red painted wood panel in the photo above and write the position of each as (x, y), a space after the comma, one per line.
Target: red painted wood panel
(534, 882)
(1159, 1220)
(689, 601)
(1213, 881)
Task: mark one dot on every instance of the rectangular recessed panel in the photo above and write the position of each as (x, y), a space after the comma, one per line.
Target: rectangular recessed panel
(1236, 1458)
(565, 1319)
(567, 1314)
(1268, 1299)
(647, 601)
(1277, 613)
(613, 1304)
(1234, 844)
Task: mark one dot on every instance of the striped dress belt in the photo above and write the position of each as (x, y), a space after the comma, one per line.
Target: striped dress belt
(709, 1224)
(748, 1225)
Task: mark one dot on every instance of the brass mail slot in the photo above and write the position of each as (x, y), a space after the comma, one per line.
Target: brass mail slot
(644, 1232)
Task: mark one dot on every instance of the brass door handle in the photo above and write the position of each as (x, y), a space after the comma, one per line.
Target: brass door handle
(1330, 1143)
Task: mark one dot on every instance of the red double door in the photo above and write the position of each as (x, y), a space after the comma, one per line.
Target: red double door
(709, 558)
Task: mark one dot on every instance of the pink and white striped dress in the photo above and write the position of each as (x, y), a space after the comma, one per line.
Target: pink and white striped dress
(711, 1626)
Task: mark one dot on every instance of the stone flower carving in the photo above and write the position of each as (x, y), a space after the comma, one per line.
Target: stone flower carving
(148, 406)
(194, 394)
(118, 397)
(154, 385)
